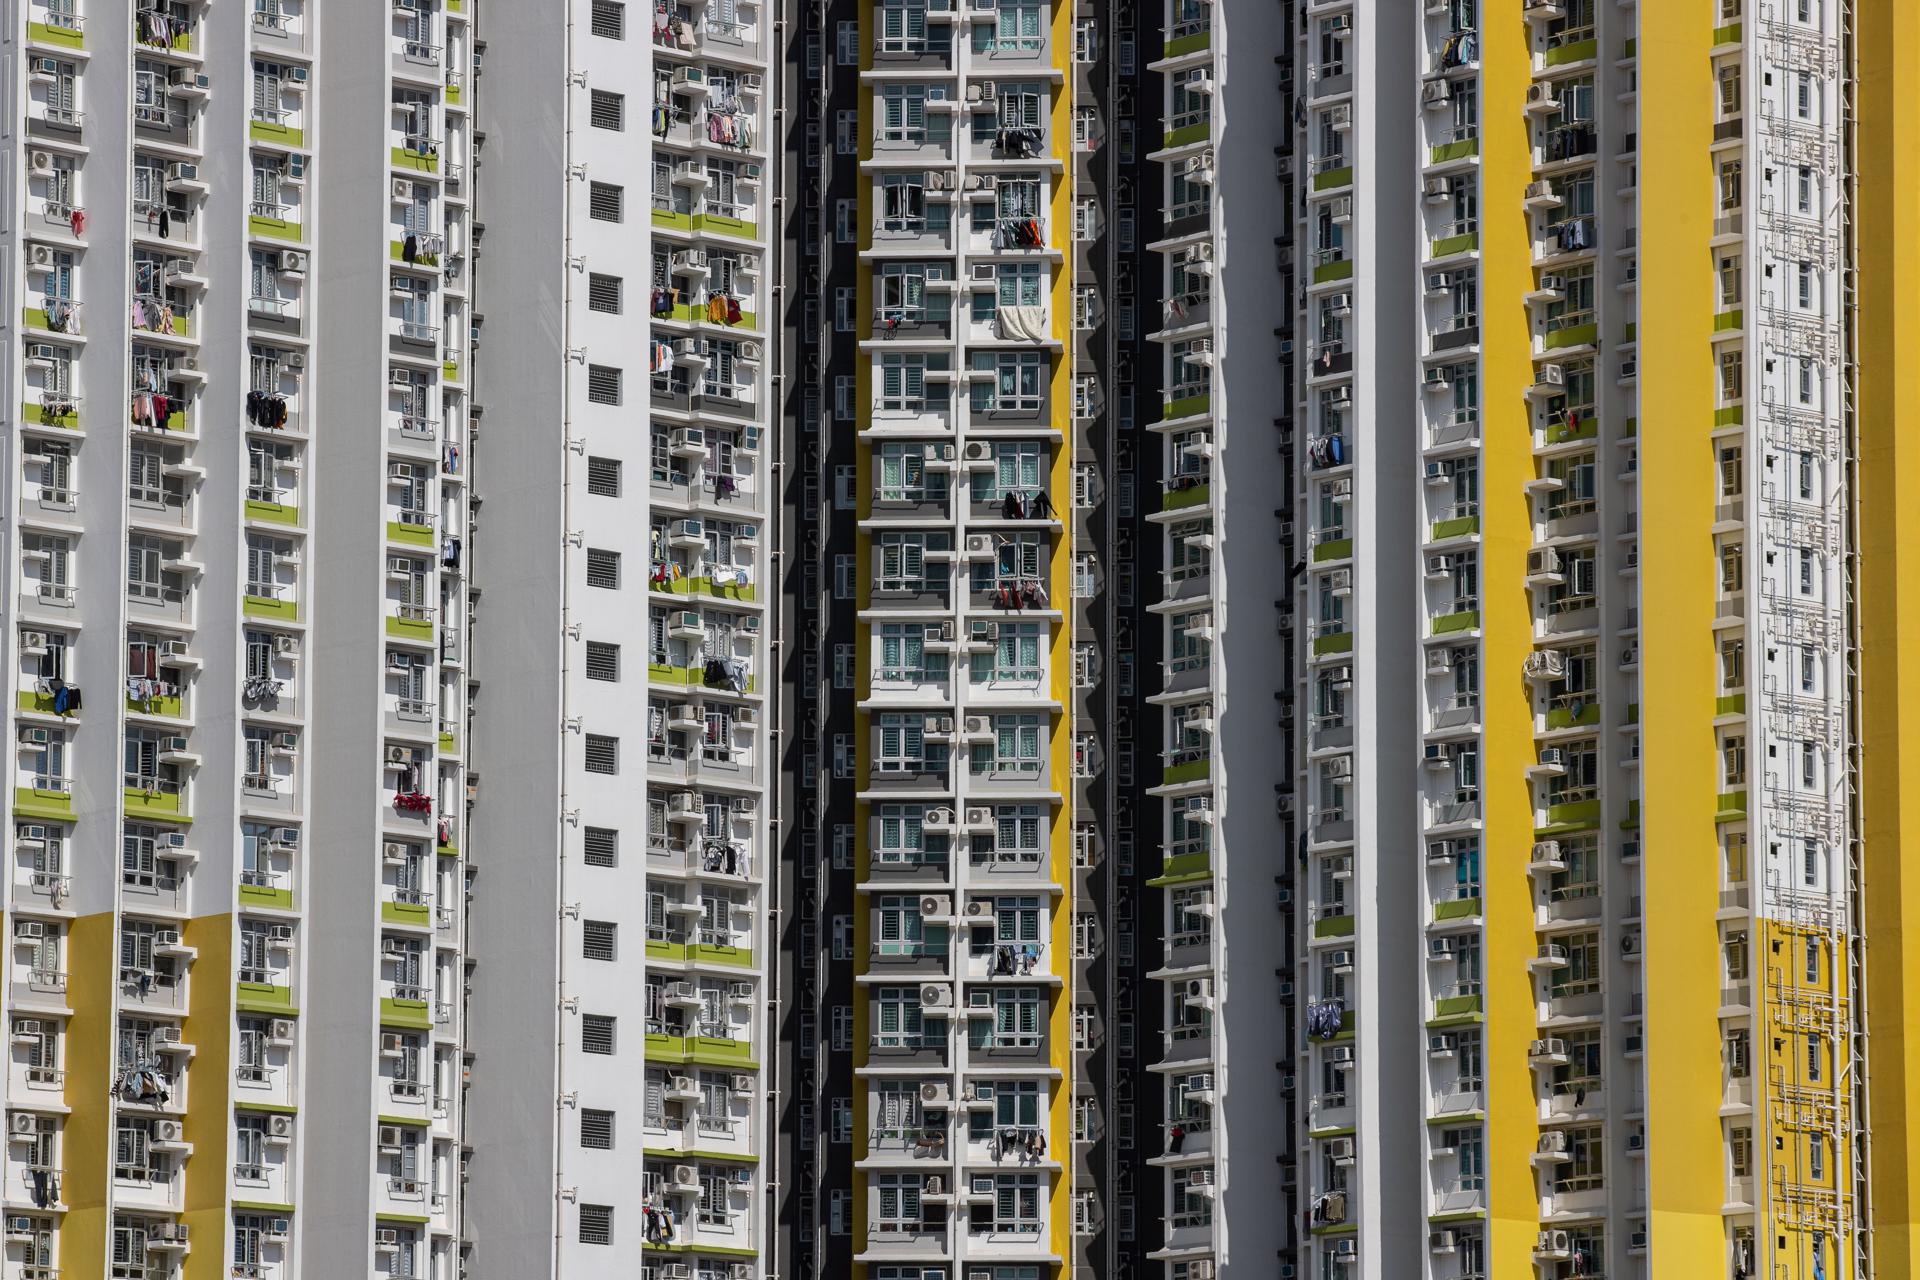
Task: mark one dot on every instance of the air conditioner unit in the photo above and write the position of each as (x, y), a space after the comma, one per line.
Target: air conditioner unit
(28, 931)
(183, 171)
(1541, 192)
(978, 909)
(1553, 1143)
(936, 996)
(399, 755)
(280, 1127)
(742, 1084)
(295, 361)
(1339, 304)
(1439, 566)
(281, 1032)
(390, 1134)
(1553, 284)
(1437, 378)
(279, 1228)
(1441, 1046)
(1435, 94)
(1341, 117)
(1440, 1242)
(21, 1227)
(1439, 661)
(1540, 94)
(1340, 767)
(935, 1093)
(1436, 190)
(1545, 664)
(293, 262)
(24, 1122)
(43, 68)
(1198, 989)
(1339, 1150)
(1341, 208)
(1341, 962)
(1440, 948)
(40, 162)
(166, 1131)
(386, 1239)
(936, 904)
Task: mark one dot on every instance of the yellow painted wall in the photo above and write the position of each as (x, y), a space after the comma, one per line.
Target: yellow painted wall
(208, 1026)
(1889, 475)
(93, 970)
(1679, 770)
(1506, 524)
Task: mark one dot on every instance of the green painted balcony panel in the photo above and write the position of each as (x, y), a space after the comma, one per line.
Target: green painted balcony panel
(1180, 46)
(1732, 33)
(272, 512)
(1333, 927)
(58, 37)
(264, 607)
(1460, 150)
(1181, 774)
(1456, 1006)
(1564, 717)
(413, 162)
(413, 535)
(39, 416)
(1466, 620)
(41, 702)
(412, 1014)
(284, 135)
(1456, 909)
(1573, 814)
(1458, 527)
(260, 895)
(1333, 549)
(1578, 51)
(410, 913)
(410, 628)
(1183, 868)
(1727, 321)
(1328, 178)
(1732, 704)
(1327, 271)
(43, 803)
(1187, 135)
(160, 704)
(1732, 416)
(1337, 642)
(1451, 245)
(1186, 407)
(264, 997)
(275, 229)
(1559, 433)
(154, 806)
(1730, 806)
(1180, 499)
(1574, 335)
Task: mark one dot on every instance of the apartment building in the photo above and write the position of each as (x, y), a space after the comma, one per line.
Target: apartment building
(623, 1046)
(252, 585)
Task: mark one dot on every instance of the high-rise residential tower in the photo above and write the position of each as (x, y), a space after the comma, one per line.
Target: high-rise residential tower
(237, 245)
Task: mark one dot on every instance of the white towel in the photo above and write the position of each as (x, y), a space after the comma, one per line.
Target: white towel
(1029, 323)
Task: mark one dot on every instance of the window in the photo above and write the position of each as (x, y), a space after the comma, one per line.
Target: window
(603, 293)
(604, 201)
(597, 1033)
(609, 19)
(598, 939)
(602, 847)
(603, 568)
(603, 753)
(596, 1224)
(603, 660)
(608, 110)
(603, 384)
(603, 477)
(596, 1129)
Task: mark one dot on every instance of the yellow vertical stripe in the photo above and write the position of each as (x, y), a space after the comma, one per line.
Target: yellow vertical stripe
(1679, 771)
(1888, 219)
(93, 968)
(208, 1027)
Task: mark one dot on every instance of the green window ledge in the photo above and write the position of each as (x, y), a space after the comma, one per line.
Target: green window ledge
(1733, 704)
(260, 895)
(1729, 34)
(274, 229)
(272, 512)
(277, 1208)
(63, 37)
(1458, 527)
(1186, 407)
(1454, 244)
(1731, 416)
(695, 313)
(264, 997)
(1333, 927)
(1454, 1006)
(1187, 44)
(414, 162)
(1454, 150)
(707, 1050)
(262, 607)
(1337, 1229)
(1179, 499)
(1574, 335)
(1333, 549)
(410, 628)
(408, 913)
(1338, 642)
(412, 1014)
(1723, 321)
(448, 850)
(1564, 718)
(1192, 771)
(414, 535)
(1327, 271)
(49, 806)
(1453, 622)
(39, 417)
(1326, 178)
(1457, 909)
(705, 587)
(691, 222)
(1730, 806)
(1578, 51)
(283, 134)
(160, 806)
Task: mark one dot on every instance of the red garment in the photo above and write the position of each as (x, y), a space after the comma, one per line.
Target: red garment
(79, 221)
(733, 310)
